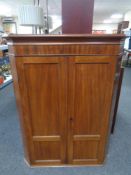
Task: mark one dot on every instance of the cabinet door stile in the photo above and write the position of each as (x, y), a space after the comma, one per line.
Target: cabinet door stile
(71, 96)
(27, 134)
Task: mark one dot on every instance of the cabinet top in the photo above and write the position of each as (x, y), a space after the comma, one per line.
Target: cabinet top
(65, 38)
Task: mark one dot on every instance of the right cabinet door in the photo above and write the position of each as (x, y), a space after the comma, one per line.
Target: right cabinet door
(90, 88)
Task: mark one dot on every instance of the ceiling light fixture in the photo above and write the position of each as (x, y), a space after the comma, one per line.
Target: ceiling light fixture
(5, 10)
(116, 16)
(107, 21)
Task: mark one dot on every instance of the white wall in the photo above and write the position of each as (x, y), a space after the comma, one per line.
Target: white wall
(108, 27)
(56, 31)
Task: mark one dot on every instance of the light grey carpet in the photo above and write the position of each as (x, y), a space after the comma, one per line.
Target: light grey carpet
(118, 160)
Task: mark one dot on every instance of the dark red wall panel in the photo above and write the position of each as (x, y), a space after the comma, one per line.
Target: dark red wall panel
(77, 16)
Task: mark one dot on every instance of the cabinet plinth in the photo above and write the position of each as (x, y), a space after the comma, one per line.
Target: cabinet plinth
(65, 88)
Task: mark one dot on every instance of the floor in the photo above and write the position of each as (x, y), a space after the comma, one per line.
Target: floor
(118, 161)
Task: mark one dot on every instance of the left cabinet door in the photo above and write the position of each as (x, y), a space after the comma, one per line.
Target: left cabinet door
(43, 91)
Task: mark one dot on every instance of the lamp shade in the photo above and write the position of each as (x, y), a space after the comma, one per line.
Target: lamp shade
(30, 15)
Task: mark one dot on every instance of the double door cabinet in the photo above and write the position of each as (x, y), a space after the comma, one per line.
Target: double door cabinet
(64, 87)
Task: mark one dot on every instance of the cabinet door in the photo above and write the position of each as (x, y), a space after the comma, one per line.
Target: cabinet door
(43, 88)
(91, 80)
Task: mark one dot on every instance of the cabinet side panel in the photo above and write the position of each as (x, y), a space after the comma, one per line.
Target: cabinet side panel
(24, 129)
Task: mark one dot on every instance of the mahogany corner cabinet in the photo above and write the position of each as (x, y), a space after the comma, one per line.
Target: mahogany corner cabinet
(65, 87)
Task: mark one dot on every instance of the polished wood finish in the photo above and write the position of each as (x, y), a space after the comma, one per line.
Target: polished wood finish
(119, 84)
(45, 90)
(77, 16)
(89, 98)
(65, 87)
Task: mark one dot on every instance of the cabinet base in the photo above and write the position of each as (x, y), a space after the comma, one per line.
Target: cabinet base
(38, 165)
